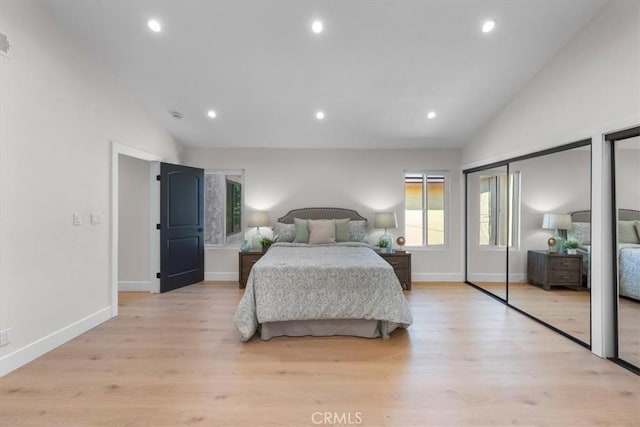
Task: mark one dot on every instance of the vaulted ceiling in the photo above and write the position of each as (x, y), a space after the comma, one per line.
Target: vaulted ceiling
(376, 70)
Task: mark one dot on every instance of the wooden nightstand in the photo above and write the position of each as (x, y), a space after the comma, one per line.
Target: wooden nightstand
(553, 269)
(401, 263)
(245, 263)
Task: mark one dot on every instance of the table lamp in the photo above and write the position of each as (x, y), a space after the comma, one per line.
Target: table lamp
(386, 220)
(258, 219)
(559, 223)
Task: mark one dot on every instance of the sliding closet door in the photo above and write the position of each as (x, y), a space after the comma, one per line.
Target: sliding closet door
(627, 255)
(488, 231)
(551, 284)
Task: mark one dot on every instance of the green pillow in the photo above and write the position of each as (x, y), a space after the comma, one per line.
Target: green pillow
(302, 230)
(627, 232)
(342, 230)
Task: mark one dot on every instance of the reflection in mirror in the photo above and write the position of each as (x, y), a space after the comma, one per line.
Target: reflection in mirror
(552, 283)
(627, 177)
(488, 230)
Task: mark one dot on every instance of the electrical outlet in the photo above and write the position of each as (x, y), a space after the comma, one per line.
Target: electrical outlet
(4, 337)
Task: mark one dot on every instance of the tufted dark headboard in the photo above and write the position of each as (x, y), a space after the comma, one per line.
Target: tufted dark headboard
(321, 213)
(623, 215)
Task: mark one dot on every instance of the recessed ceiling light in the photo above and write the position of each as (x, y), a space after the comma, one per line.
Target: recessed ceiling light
(211, 114)
(488, 26)
(154, 25)
(320, 115)
(431, 115)
(317, 27)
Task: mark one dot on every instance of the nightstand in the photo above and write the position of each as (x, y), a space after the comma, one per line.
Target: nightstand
(245, 263)
(554, 269)
(401, 263)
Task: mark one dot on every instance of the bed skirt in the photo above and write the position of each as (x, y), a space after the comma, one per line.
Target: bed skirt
(323, 328)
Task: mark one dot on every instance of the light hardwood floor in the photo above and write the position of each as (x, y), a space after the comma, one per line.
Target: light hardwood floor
(570, 311)
(175, 359)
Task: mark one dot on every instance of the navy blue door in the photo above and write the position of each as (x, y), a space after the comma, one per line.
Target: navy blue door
(181, 226)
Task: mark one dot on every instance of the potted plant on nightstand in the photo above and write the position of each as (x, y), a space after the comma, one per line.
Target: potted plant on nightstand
(571, 246)
(267, 242)
(384, 246)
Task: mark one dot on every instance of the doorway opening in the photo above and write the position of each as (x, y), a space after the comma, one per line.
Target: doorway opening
(135, 246)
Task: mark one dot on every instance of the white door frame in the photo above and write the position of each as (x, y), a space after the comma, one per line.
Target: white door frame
(118, 148)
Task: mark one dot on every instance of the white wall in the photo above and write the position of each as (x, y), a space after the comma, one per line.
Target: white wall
(628, 173)
(592, 81)
(278, 180)
(59, 113)
(133, 224)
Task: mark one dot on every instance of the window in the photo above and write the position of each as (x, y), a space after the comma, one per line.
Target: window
(425, 207)
(234, 205)
(499, 202)
(223, 207)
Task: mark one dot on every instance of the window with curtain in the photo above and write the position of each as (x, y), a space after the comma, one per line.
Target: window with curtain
(223, 207)
(425, 208)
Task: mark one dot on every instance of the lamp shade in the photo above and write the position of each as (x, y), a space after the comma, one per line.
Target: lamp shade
(258, 219)
(556, 221)
(385, 220)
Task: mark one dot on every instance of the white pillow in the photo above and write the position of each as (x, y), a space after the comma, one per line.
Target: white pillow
(322, 231)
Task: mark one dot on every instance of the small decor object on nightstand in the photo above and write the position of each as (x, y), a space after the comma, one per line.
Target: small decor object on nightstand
(267, 242)
(401, 241)
(571, 246)
(383, 244)
(245, 246)
(552, 243)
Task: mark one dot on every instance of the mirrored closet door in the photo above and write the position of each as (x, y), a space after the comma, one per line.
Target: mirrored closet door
(528, 235)
(488, 231)
(627, 244)
(551, 283)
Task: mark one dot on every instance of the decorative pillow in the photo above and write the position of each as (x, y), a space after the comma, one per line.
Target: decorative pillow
(580, 232)
(627, 232)
(342, 230)
(637, 224)
(322, 231)
(285, 232)
(301, 227)
(357, 231)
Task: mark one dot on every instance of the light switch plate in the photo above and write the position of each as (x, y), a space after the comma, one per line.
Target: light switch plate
(95, 218)
(4, 336)
(77, 219)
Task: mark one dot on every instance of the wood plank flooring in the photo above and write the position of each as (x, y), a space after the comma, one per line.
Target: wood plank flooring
(175, 360)
(570, 311)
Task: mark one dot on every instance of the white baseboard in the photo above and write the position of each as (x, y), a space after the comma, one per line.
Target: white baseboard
(134, 286)
(29, 352)
(437, 277)
(229, 276)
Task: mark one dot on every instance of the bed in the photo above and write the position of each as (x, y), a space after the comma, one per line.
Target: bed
(628, 248)
(342, 288)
